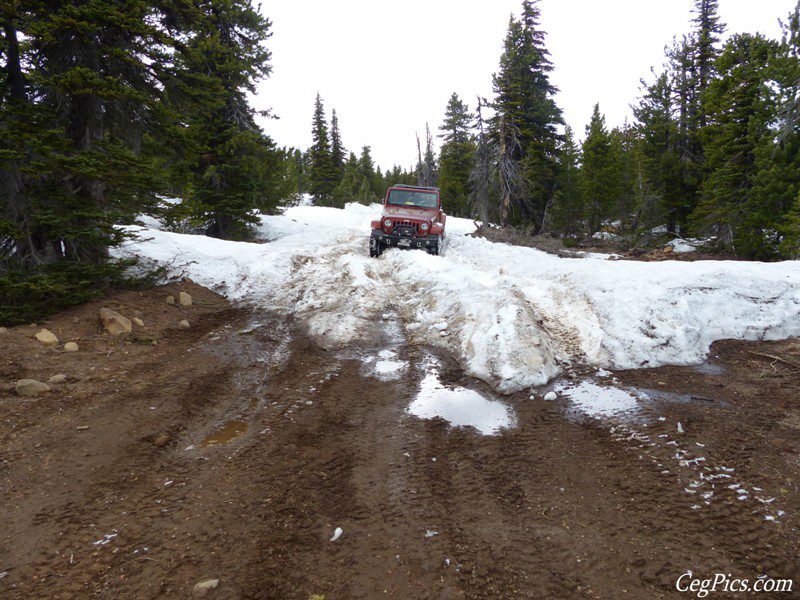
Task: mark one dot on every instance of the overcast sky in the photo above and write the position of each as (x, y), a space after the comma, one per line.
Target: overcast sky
(388, 67)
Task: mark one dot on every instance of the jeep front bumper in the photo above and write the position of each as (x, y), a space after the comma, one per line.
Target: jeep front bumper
(403, 241)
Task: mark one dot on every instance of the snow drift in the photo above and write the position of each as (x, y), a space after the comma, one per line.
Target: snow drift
(514, 316)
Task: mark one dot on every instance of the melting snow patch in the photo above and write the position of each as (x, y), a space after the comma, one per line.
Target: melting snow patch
(389, 367)
(600, 401)
(459, 406)
(337, 533)
(431, 533)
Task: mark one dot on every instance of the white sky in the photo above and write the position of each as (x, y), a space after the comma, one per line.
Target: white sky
(388, 67)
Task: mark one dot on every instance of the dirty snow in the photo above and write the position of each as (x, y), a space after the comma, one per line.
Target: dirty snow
(514, 316)
(683, 246)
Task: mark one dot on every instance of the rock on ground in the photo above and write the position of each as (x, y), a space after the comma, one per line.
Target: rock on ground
(138, 321)
(31, 387)
(202, 588)
(185, 299)
(47, 337)
(114, 322)
(170, 299)
(184, 324)
(71, 347)
(60, 378)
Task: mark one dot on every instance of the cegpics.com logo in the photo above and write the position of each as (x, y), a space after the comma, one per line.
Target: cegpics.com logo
(727, 583)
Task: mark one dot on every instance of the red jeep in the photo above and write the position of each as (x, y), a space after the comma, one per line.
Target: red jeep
(412, 218)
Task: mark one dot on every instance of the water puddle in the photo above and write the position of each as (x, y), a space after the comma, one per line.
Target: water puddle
(461, 407)
(708, 368)
(230, 431)
(601, 401)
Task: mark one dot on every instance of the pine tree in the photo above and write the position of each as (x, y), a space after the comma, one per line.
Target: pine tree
(456, 156)
(348, 188)
(427, 169)
(658, 132)
(708, 29)
(481, 177)
(337, 149)
(525, 107)
(688, 146)
(624, 154)
(600, 176)
(322, 177)
(366, 171)
(567, 212)
(80, 88)
(776, 186)
(739, 117)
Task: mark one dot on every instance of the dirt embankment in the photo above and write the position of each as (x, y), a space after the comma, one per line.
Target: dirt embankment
(234, 448)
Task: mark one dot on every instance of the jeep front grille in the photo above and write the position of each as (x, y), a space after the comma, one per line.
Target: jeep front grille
(407, 228)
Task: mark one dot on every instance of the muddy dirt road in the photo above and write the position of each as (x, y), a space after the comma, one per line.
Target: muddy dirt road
(233, 450)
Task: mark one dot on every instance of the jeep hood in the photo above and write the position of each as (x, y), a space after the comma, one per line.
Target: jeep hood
(410, 214)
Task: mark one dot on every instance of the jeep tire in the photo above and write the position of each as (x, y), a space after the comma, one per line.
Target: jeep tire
(375, 247)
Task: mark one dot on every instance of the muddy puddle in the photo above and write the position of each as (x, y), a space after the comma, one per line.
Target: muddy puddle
(263, 346)
(708, 368)
(603, 400)
(230, 431)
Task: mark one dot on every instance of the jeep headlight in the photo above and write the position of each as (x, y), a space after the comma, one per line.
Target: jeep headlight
(424, 227)
(387, 223)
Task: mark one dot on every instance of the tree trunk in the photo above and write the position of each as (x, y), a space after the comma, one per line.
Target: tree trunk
(505, 184)
(14, 76)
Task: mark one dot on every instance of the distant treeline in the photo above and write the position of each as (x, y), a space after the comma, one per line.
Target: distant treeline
(107, 105)
(714, 150)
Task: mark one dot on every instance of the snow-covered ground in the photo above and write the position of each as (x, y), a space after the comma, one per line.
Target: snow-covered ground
(512, 316)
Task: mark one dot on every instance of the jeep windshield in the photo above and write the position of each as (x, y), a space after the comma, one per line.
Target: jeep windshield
(412, 198)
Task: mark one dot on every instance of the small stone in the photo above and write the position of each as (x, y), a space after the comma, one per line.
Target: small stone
(75, 320)
(3, 330)
(114, 322)
(780, 444)
(184, 324)
(31, 387)
(550, 396)
(47, 337)
(185, 299)
(82, 427)
(71, 347)
(202, 588)
(161, 440)
(170, 299)
(60, 378)
(138, 321)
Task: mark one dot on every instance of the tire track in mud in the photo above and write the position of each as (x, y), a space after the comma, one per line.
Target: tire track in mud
(555, 507)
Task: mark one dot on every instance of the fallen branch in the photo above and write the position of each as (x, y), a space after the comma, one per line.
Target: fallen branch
(773, 357)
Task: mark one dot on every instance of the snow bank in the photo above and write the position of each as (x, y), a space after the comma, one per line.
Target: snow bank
(683, 245)
(516, 316)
